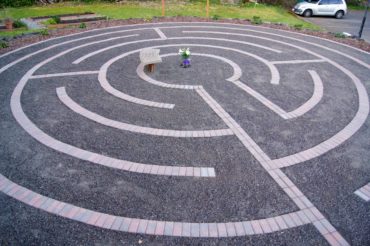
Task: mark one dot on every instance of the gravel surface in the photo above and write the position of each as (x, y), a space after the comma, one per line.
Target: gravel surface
(241, 191)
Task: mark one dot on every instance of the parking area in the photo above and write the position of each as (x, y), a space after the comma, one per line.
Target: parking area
(350, 23)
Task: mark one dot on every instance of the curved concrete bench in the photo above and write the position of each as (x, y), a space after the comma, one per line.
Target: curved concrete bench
(150, 57)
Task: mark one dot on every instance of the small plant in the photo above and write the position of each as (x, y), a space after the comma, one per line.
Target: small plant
(216, 17)
(3, 45)
(18, 24)
(339, 35)
(82, 25)
(44, 32)
(56, 19)
(185, 55)
(256, 20)
(298, 26)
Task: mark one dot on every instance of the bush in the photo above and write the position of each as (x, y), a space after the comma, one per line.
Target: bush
(49, 22)
(356, 2)
(216, 17)
(44, 32)
(18, 24)
(3, 45)
(298, 26)
(82, 25)
(256, 20)
(56, 19)
(339, 35)
(16, 3)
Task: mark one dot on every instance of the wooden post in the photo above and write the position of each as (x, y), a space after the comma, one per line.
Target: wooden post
(207, 9)
(163, 8)
(151, 67)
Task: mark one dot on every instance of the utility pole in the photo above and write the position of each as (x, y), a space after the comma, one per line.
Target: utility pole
(207, 9)
(364, 20)
(163, 8)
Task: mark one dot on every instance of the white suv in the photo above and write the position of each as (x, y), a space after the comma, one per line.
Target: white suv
(308, 8)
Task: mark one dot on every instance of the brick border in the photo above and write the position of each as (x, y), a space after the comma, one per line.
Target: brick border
(4, 68)
(290, 189)
(52, 75)
(300, 111)
(364, 192)
(104, 83)
(281, 36)
(79, 60)
(68, 102)
(160, 228)
(160, 33)
(347, 131)
(237, 72)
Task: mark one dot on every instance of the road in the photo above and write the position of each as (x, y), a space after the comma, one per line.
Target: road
(350, 23)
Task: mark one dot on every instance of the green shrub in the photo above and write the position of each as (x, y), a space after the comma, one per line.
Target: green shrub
(356, 2)
(216, 17)
(16, 3)
(82, 25)
(56, 19)
(3, 45)
(44, 32)
(298, 26)
(18, 24)
(339, 35)
(256, 20)
(50, 21)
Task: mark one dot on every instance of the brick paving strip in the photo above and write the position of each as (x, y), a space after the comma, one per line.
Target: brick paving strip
(344, 134)
(364, 192)
(322, 225)
(41, 76)
(307, 106)
(237, 72)
(311, 103)
(277, 35)
(83, 58)
(66, 100)
(307, 214)
(167, 228)
(160, 33)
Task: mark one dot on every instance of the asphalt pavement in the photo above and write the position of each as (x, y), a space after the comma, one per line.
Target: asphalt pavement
(350, 23)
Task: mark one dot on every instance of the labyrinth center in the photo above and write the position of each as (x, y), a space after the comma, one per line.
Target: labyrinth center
(180, 152)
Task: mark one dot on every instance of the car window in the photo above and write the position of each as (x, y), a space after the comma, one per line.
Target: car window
(335, 1)
(324, 2)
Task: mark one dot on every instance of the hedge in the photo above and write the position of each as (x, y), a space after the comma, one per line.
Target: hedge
(16, 3)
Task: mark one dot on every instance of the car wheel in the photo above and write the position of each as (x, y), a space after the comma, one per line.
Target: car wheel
(307, 13)
(339, 14)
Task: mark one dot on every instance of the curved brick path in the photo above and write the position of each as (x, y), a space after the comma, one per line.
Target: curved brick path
(231, 46)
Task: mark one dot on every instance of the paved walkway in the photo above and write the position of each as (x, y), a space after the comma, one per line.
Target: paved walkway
(263, 140)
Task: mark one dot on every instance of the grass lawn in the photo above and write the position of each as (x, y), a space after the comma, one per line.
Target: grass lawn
(17, 32)
(150, 9)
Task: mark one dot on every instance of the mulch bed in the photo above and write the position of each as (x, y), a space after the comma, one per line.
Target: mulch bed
(27, 39)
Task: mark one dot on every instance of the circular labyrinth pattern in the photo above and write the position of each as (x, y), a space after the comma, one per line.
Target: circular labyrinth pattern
(197, 145)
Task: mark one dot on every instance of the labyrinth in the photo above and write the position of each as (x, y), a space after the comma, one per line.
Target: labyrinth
(263, 140)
